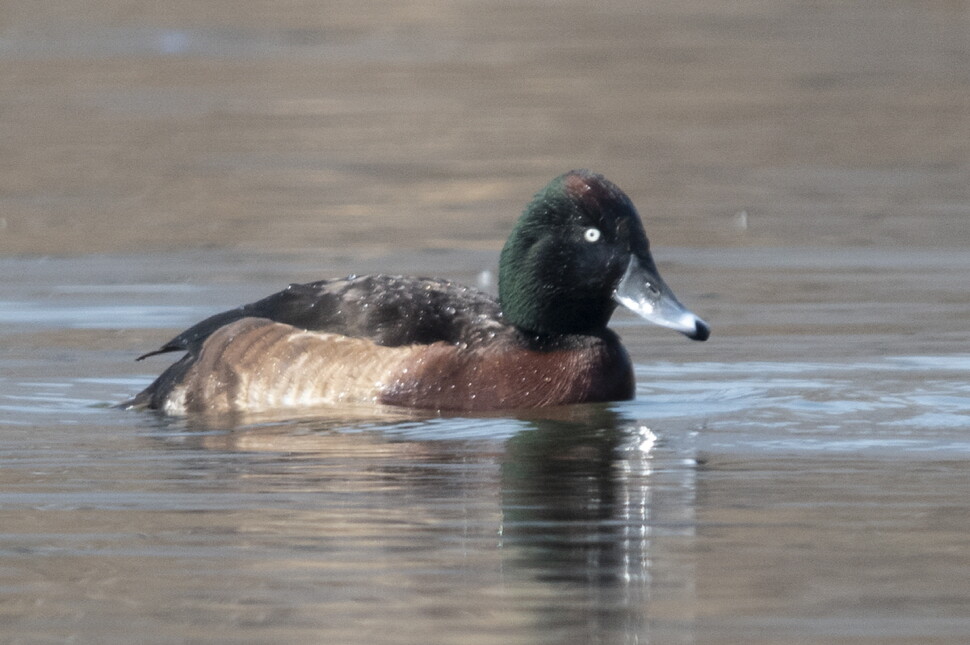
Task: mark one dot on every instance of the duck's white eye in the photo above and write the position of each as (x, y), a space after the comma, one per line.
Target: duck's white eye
(592, 235)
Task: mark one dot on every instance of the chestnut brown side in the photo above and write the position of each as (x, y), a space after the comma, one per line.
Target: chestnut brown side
(508, 376)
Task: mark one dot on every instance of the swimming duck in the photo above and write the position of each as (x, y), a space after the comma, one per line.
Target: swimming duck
(577, 251)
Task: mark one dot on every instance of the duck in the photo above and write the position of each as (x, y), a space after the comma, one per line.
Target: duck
(577, 252)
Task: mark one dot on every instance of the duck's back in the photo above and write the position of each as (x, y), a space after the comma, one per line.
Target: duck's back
(391, 311)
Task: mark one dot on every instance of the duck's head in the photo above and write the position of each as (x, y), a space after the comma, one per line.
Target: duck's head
(578, 250)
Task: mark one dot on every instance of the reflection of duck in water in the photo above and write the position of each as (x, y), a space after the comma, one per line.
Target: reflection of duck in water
(576, 501)
(577, 251)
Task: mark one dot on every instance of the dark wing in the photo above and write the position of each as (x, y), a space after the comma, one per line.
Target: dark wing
(390, 310)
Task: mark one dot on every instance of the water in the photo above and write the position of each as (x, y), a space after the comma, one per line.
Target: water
(799, 478)
(812, 500)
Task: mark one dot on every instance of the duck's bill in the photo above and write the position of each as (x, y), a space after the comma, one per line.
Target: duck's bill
(642, 291)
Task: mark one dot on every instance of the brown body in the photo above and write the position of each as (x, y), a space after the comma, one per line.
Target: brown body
(255, 364)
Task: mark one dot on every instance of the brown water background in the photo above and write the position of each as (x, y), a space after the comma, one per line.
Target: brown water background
(803, 170)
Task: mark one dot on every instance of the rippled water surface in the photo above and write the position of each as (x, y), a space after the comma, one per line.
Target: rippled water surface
(803, 171)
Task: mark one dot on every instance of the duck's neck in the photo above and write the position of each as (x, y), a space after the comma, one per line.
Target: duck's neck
(544, 311)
